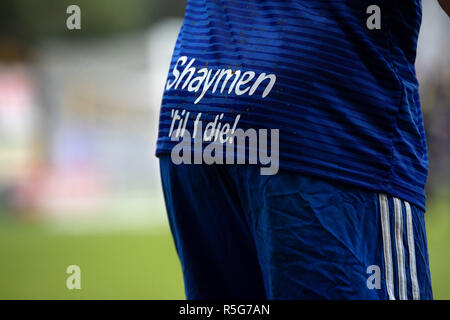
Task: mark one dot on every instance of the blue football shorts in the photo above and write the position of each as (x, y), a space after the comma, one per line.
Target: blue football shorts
(241, 235)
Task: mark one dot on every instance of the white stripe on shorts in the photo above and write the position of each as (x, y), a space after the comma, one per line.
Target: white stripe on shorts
(400, 250)
(412, 253)
(387, 250)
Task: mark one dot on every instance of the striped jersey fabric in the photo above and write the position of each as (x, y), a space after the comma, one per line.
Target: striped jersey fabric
(343, 93)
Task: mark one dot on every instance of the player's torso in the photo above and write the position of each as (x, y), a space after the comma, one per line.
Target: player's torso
(330, 75)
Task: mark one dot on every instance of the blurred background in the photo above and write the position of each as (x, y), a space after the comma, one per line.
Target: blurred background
(79, 183)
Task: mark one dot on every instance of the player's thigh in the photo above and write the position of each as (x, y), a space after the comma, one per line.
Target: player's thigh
(211, 234)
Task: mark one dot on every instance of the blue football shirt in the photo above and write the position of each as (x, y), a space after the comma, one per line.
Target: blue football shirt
(339, 84)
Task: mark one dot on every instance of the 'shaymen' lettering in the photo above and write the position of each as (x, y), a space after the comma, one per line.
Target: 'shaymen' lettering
(205, 80)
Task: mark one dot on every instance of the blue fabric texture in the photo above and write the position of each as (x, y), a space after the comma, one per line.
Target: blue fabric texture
(240, 235)
(345, 98)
